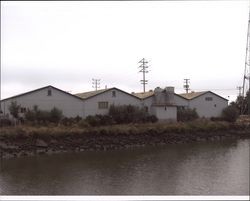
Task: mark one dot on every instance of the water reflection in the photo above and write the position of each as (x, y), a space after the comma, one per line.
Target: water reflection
(217, 168)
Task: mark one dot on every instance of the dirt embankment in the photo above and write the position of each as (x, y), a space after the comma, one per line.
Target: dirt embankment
(24, 141)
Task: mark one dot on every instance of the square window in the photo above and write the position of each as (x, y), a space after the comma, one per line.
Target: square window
(103, 105)
(23, 110)
(208, 98)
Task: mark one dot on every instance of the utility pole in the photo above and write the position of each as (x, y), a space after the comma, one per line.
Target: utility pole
(246, 72)
(96, 83)
(186, 85)
(247, 61)
(143, 70)
(239, 88)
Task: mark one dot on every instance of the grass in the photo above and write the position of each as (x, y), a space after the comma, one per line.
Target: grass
(57, 131)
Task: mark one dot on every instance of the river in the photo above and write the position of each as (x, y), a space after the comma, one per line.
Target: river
(204, 168)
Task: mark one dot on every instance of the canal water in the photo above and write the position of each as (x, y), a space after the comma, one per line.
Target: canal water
(205, 168)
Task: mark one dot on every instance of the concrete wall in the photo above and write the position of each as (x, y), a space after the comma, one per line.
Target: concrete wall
(179, 101)
(206, 108)
(165, 112)
(70, 106)
(148, 103)
(121, 98)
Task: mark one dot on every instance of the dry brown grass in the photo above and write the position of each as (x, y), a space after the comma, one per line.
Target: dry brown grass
(160, 127)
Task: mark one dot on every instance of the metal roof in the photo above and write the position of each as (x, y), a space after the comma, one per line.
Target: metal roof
(143, 95)
(192, 94)
(89, 94)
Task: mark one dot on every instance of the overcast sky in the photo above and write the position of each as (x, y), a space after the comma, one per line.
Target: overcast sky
(66, 44)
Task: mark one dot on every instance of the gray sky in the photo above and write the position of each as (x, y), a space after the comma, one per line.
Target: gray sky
(66, 44)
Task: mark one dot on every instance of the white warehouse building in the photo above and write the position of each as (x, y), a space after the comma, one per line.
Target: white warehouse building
(162, 103)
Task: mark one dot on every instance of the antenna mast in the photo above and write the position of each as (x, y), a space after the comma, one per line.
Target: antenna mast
(143, 70)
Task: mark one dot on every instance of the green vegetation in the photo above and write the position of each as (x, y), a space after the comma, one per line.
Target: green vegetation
(230, 113)
(99, 120)
(123, 114)
(42, 116)
(130, 114)
(186, 114)
(242, 104)
(14, 109)
(53, 131)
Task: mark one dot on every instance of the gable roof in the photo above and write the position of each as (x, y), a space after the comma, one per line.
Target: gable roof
(143, 95)
(194, 95)
(49, 86)
(148, 94)
(90, 94)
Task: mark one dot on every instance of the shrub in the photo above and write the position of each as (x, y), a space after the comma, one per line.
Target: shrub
(77, 119)
(66, 121)
(216, 119)
(230, 113)
(43, 116)
(30, 115)
(99, 120)
(83, 124)
(92, 120)
(129, 114)
(5, 122)
(55, 115)
(151, 118)
(14, 109)
(186, 114)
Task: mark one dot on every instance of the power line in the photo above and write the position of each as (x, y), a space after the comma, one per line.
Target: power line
(143, 70)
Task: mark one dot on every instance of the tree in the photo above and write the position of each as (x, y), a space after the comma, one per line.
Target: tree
(230, 113)
(242, 104)
(14, 109)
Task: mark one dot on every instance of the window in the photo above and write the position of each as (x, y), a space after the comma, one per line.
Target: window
(215, 105)
(49, 92)
(113, 93)
(208, 98)
(181, 107)
(103, 105)
(23, 110)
